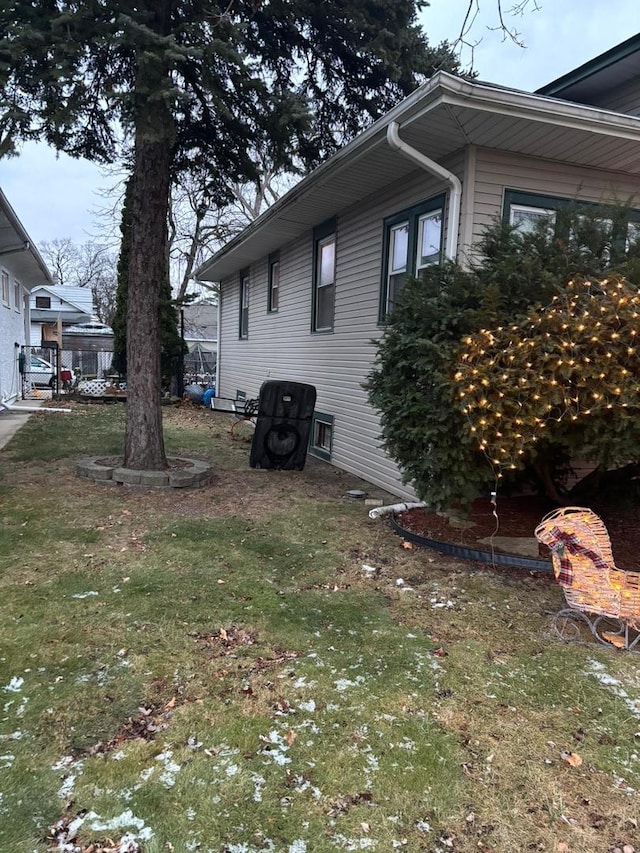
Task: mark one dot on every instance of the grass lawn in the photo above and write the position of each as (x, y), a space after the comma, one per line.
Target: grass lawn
(215, 670)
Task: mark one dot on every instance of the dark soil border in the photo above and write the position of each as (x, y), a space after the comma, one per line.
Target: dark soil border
(490, 557)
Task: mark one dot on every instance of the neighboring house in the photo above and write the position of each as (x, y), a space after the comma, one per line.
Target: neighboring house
(21, 270)
(306, 288)
(57, 306)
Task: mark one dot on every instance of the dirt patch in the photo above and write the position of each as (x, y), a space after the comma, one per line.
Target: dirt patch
(518, 517)
(145, 725)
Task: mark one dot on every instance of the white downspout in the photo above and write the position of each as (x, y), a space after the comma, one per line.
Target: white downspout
(19, 409)
(453, 219)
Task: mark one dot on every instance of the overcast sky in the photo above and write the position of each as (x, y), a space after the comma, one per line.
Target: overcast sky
(57, 197)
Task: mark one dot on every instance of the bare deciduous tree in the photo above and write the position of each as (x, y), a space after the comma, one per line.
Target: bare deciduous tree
(90, 265)
(468, 40)
(196, 228)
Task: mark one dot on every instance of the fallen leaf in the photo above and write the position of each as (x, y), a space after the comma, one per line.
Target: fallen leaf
(223, 635)
(364, 826)
(290, 736)
(562, 847)
(571, 758)
(171, 703)
(407, 545)
(440, 652)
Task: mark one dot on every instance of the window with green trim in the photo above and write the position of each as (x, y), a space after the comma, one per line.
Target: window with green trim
(324, 277)
(321, 436)
(243, 320)
(412, 241)
(274, 282)
(618, 224)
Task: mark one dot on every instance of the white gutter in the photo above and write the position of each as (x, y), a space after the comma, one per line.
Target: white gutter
(453, 218)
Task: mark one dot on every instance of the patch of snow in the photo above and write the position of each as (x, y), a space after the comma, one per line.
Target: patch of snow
(13, 736)
(258, 782)
(85, 594)
(171, 769)
(436, 604)
(65, 761)
(343, 684)
(126, 819)
(345, 843)
(298, 846)
(65, 790)
(15, 685)
(598, 670)
(309, 706)
(6, 761)
(275, 748)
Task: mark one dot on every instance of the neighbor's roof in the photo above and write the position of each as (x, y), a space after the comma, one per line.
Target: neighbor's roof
(605, 73)
(92, 328)
(26, 260)
(443, 115)
(79, 298)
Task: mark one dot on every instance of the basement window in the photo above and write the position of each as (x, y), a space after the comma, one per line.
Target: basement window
(321, 437)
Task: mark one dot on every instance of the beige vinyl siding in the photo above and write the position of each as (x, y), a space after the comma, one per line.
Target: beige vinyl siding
(497, 171)
(281, 345)
(625, 99)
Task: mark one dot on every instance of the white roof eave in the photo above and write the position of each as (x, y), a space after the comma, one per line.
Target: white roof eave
(280, 223)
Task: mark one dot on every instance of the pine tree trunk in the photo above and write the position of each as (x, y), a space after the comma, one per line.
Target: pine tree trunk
(144, 443)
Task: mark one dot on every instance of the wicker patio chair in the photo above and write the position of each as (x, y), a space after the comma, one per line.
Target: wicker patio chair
(601, 596)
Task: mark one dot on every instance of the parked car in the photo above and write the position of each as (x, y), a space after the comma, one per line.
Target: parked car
(42, 374)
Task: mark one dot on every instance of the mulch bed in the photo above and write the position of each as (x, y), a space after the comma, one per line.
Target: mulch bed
(518, 517)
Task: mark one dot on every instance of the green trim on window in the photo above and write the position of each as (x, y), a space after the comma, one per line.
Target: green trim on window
(320, 235)
(243, 319)
(273, 259)
(566, 205)
(321, 430)
(411, 216)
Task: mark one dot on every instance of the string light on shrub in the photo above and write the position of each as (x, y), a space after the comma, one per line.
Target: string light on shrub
(574, 359)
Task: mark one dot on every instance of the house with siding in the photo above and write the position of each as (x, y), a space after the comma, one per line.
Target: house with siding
(21, 270)
(55, 307)
(306, 288)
